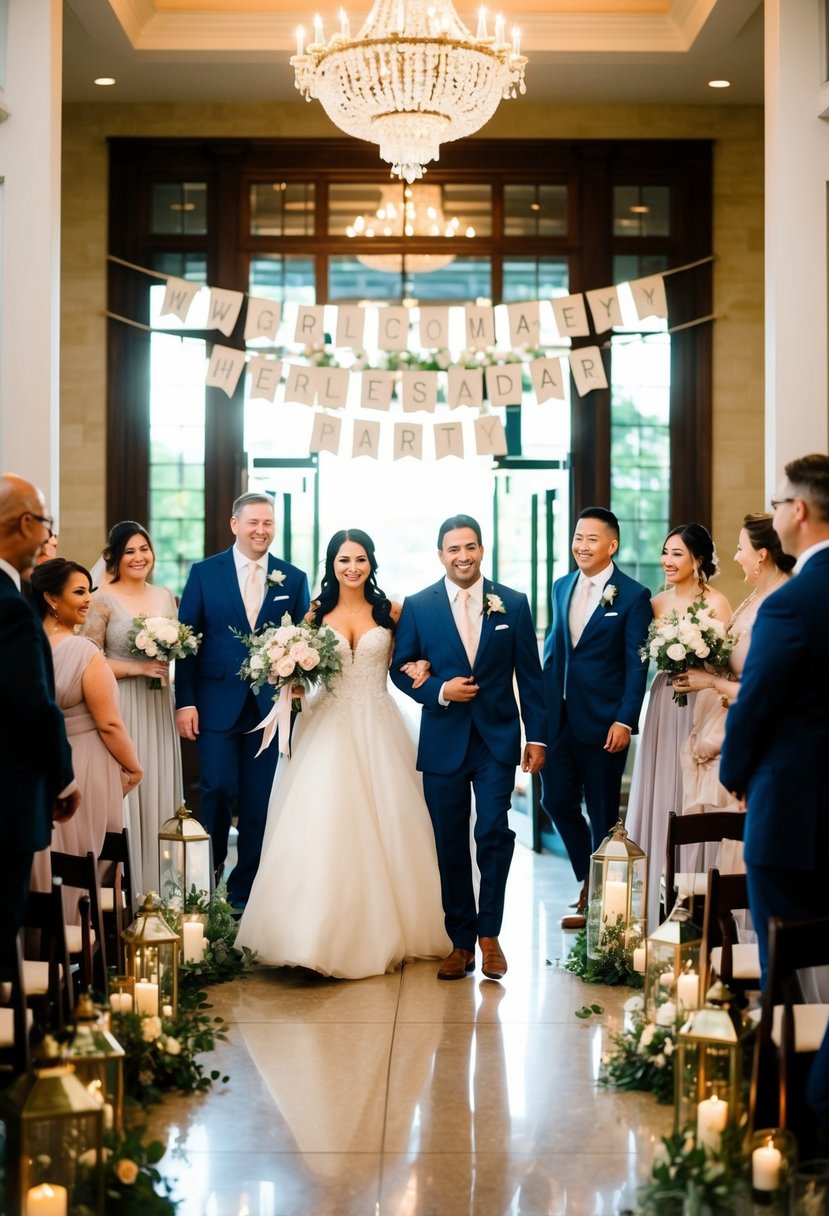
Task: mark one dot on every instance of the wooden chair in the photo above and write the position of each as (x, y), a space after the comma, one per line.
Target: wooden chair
(15, 1018)
(708, 828)
(86, 943)
(117, 893)
(790, 1030)
(47, 969)
(736, 963)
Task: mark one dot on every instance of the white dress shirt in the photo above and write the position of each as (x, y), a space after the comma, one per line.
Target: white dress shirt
(810, 552)
(13, 573)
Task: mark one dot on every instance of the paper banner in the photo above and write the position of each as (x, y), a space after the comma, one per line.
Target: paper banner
(366, 440)
(649, 296)
(448, 440)
(433, 328)
(223, 309)
(331, 386)
(408, 440)
(299, 385)
(547, 379)
(376, 389)
(224, 369)
(325, 435)
(571, 316)
(262, 319)
(264, 376)
(490, 436)
(419, 391)
(393, 328)
(178, 297)
(524, 323)
(588, 369)
(466, 387)
(309, 325)
(351, 326)
(604, 307)
(503, 384)
(479, 320)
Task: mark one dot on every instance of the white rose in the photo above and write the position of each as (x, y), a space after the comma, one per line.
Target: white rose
(668, 631)
(660, 1060)
(298, 650)
(668, 1047)
(676, 652)
(702, 651)
(168, 633)
(309, 661)
(141, 639)
(150, 650)
(655, 648)
(192, 641)
(285, 667)
(647, 1035)
(172, 1046)
(257, 663)
(275, 652)
(285, 635)
(151, 1028)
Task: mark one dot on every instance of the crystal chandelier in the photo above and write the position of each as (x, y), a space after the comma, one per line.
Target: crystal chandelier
(412, 79)
(420, 214)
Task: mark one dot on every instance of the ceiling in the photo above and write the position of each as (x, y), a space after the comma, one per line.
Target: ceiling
(640, 51)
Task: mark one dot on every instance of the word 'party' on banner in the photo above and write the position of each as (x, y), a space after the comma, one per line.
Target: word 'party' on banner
(373, 439)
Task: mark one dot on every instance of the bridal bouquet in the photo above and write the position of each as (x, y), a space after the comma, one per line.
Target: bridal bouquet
(695, 639)
(162, 637)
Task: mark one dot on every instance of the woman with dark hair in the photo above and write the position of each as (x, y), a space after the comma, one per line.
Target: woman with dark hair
(348, 883)
(689, 562)
(148, 713)
(103, 756)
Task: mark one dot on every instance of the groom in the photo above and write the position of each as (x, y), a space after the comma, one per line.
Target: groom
(477, 636)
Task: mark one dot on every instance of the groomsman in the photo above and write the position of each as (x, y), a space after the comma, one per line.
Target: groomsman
(777, 731)
(478, 637)
(35, 758)
(595, 684)
(247, 589)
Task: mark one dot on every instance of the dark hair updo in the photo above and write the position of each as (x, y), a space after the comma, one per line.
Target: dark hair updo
(330, 589)
(119, 537)
(50, 578)
(699, 543)
(761, 533)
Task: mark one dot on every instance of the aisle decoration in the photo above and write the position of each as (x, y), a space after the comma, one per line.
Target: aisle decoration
(211, 955)
(185, 857)
(641, 1058)
(613, 966)
(161, 1052)
(710, 1068)
(672, 966)
(132, 1184)
(163, 638)
(617, 893)
(694, 639)
(689, 1179)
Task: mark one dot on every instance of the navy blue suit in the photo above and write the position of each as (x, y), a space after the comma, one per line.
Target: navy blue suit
(775, 751)
(472, 745)
(228, 768)
(590, 686)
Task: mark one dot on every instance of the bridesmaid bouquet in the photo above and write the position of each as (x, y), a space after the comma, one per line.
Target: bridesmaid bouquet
(695, 639)
(161, 637)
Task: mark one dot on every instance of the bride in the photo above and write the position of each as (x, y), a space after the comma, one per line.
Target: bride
(348, 881)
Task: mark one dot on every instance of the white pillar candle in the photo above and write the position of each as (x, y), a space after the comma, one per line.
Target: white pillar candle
(614, 901)
(766, 1162)
(500, 25)
(192, 938)
(146, 998)
(712, 1116)
(639, 959)
(687, 990)
(109, 1116)
(47, 1200)
(300, 39)
(121, 1002)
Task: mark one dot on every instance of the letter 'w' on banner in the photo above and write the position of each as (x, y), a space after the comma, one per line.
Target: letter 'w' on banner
(325, 435)
(309, 325)
(448, 440)
(408, 440)
(466, 386)
(503, 384)
(224, 369)
(178, 297)
(547, 379)
(490, 436)
(299, 386)
(366, 439)
(649, 296)
(588, 369)
(524, 323)
(571, 317)
(264, 376)
(262, 319)
(604, 305)
(223, 309)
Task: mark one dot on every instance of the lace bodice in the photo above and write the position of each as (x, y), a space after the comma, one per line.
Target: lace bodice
(364, 676)
(109, 623)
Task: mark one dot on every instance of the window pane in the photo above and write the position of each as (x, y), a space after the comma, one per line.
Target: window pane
(179, 207)
(535, 210)
(534, 278)
(282, 209)
(641, 211)
(461, 278)
(394, 209)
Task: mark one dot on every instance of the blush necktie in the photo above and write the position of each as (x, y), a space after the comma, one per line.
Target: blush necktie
(582, 609)
(253, 593)
(468, 625)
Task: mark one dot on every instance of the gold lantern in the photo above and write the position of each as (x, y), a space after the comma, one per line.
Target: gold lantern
(617, 892)
(709, 1069)
(185, 859)
(152, 950)
(54, 1140)
(98, 1058)
(672, 967)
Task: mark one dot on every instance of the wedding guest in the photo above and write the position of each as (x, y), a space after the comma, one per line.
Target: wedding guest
(147, 711)
(689, 563)
(49, 550)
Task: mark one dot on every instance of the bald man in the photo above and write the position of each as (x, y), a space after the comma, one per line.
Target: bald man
(35, 757)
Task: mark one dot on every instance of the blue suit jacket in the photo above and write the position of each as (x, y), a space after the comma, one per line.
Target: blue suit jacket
(212, 604)
(507, 647)
(777, 731)
(603, 674)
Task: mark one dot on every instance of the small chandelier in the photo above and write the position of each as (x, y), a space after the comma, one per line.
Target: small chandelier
(412, 79)
(419, 214)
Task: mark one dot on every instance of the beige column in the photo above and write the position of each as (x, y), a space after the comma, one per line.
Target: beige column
(30, 136)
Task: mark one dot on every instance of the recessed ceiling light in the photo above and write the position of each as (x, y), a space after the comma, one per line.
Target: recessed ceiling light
(104, 80)
(719, 84)
(639, 209)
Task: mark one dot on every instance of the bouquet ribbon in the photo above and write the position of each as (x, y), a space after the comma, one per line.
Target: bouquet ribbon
(279, 719)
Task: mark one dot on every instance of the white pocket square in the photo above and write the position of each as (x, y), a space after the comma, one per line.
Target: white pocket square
(281, 597)
(611, 614)
(497, 627)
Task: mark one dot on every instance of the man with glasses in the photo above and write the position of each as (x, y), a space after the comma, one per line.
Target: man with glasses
(35, 759)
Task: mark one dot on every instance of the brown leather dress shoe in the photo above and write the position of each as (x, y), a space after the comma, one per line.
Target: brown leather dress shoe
(577, 921)
(581, 903)
(494, 965)
(458, 965)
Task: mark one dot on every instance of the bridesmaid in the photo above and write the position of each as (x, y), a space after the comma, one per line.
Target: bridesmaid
(689, 563)
(148, 713)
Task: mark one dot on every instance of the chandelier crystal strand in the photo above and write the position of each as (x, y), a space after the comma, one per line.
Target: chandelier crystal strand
(413, 78)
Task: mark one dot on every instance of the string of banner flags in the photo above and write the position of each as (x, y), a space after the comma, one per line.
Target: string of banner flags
(484, 375)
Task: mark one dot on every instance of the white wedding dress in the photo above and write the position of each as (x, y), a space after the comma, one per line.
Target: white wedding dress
(348, 881)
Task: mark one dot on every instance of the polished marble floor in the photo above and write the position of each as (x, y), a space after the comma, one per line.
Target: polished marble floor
(402, 1096)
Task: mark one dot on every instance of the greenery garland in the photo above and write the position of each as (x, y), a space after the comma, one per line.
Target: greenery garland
(222, 960)
(132, 1184)
(613, 966)
(161, 1053)
(641, 1059)
(688, 1178)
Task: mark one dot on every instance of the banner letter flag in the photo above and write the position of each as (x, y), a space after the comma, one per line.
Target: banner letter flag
(588, 369)
(376, 390)
(408, 440)
(351, 325)
(490, 436)
(223, 309)
(299, 385)
(480, 325)
(419, 390)
(262, 319)
(547, 379)
(503, 384)
(309, 325)
(448, 440)
(649, 296)
(366, 439)
(466, 387)
(178, 296)
(325, 435)
(393, 328)
(224, 369)
(524, 323)
(331, 386)
(433, 328)
(604, 306)
(264, 376)
(571, 316)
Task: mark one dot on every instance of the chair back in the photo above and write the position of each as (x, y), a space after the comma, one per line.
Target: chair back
(708, 828)
(725, 894)
(81, 872)
(44, 940)
(14, 1032)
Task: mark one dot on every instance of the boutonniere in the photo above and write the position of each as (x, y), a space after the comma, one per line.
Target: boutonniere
(493, 603)
(608, 596)
(276, 578)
